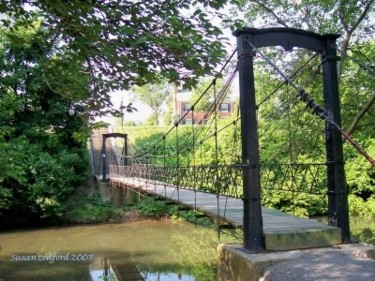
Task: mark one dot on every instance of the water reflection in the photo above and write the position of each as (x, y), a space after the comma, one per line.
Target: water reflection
(101, 269)
(145, 250)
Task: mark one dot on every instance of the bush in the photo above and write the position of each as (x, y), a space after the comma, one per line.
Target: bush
(90, 209)
(362, 213)
(151, 207)
(158, 208)
(35, 183)
(360, 175)
(299, 204)
(362, 208)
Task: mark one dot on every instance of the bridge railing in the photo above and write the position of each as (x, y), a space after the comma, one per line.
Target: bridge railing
(227, 179)
(295, 177)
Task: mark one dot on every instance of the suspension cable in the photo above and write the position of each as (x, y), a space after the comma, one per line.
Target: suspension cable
(216, 106)
(316, 109)
(290, 77)
(194, 168)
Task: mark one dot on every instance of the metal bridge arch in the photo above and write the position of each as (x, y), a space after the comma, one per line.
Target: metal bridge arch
(104, 150)
(248, 40)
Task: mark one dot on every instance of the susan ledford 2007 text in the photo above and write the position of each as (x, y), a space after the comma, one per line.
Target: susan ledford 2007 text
(52, 257)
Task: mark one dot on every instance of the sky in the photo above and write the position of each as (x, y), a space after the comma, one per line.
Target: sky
(142, 113)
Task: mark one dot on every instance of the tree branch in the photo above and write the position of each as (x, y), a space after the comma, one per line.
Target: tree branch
(350, 31)
(342, 18)
(269, 10)
(360, 114)
(362, 16)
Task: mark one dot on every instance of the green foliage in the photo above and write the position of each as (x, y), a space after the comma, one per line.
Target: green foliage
(319, 16)
(152, 207)
(147, 137)
(359, 79)
(154, 96)
(299, 204)
(168, 114)
(362, 213)
(356, 76)
(362, 208)
(40, 182)
(150, 121)
(90, 209)
(363, 229)
(360, 175)
(5, 197)
(59, 61)
(125, 43)
(38, 132)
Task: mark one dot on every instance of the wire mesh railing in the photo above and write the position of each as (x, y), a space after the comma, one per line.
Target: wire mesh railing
(228, 179)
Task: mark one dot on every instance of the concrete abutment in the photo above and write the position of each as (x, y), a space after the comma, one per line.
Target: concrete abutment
(340, 262)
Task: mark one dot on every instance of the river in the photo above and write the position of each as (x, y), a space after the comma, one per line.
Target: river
(144, 250)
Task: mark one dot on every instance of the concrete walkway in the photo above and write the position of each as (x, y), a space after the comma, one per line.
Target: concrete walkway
(345, 263)
(349, 262)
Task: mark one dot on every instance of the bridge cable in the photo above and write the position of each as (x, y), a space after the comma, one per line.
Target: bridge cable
(216, 176)
(290, 148)
(234, 156)
(177, 166)
(316, 109)
(164, 167)
(286, 108)
(290, 77)
(194, 168)
(196, 138)
(206, 90)
(217, 75)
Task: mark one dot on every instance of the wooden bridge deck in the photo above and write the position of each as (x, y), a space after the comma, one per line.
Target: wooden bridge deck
(281, 231)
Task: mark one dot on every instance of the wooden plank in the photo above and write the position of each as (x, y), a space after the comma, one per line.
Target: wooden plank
(281, 231)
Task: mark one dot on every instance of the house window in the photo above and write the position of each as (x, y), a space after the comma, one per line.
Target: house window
(188, 121)
(186, 106)
(224, 107)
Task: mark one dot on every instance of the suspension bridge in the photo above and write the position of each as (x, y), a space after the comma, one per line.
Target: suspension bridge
(272, 148)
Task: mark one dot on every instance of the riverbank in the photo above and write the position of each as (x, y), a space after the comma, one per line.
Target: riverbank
(99, 203)
(90, 207)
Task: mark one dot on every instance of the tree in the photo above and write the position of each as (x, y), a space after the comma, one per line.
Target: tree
(358, 88)
(155, 96)
(40, 131)
(168, 114)
(351, 19)
(117, 44)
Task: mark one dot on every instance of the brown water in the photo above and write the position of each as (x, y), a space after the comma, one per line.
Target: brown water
(147, 250)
